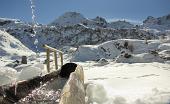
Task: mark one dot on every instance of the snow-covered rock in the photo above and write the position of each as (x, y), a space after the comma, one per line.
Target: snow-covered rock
(12, 47)
(100, 22)
(164, 46)
(165, 54)
(108, 50)
(150, 21)
(68, 49)
(137, 50)
(7, 21)
(140, 58)
(102, 62)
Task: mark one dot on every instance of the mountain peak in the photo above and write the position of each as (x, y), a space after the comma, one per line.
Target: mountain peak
(100, 19)
(160, 23)
(69, 18)
(121, 24)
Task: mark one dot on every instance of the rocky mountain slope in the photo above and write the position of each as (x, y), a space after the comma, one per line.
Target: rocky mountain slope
(75, 35)
(160, 23)
(11, 47)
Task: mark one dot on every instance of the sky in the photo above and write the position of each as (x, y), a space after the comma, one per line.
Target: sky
(48, 10)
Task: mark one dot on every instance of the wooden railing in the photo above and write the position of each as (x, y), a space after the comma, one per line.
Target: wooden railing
(55, 51)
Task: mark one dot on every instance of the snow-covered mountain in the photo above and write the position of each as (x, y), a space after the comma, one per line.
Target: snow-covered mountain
(69, 18)
(75, 35)
(73, 29)
(6, 21)
(160, 23)
(100, 21)
(74, 18)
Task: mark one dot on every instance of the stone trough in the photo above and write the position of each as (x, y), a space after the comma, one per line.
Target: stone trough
(72, 91)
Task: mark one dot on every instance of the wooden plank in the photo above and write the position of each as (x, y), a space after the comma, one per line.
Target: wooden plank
(61, 55)
(51, 48)
(55, 60)
(48, 60)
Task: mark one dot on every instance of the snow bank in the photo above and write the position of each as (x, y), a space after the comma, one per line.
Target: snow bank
(85, 53)
(140, 83)
(22, 72)
(7, 75)
(30, 71)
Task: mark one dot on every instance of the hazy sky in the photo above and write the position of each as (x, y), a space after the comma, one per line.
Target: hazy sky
(48, 10)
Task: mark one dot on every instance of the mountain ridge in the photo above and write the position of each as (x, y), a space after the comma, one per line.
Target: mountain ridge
(90, 31)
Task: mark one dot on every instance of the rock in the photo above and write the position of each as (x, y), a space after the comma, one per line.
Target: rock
(127, 55)
(103, 61)
(165, 54)
(13, 64)
(67, 69)
(73, 91)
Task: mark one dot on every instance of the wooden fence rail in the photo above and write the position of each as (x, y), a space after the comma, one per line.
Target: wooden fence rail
(55, 51)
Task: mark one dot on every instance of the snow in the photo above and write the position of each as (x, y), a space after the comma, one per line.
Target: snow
(10, 75)
(7, 75)
(30, 71)
(140, 58)
(141, 79)
(164, 46)
(85, 53)
(140, 51)
(139, 83)
(110, 78)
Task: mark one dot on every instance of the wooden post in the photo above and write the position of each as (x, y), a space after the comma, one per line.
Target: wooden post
(50, 49)
(55, 60)
(24, 60)
(61, 55)
(48, 60)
